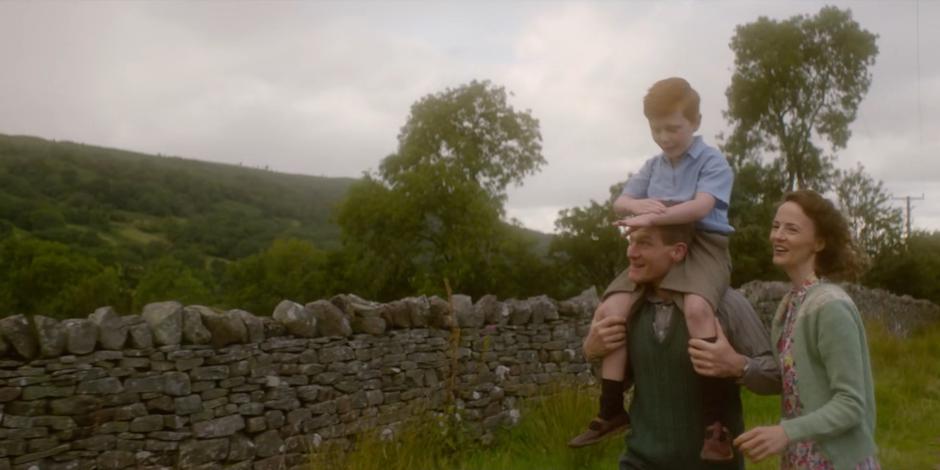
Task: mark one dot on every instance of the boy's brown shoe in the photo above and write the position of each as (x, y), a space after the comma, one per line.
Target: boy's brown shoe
(599, 429)
(717, 446)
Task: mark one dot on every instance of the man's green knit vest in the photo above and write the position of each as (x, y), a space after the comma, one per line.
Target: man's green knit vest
(666, 411)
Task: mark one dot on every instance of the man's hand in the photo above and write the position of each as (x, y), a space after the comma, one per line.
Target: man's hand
(716, 359)
(762, 442)
(633, 223)
(606, 335)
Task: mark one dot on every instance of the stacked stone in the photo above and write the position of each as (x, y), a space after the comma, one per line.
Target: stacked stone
(901, 315)
(191, 387)
(512, 350)
(101, 409)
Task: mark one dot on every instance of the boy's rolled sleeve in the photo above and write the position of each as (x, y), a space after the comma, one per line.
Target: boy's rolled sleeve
(716, 179)
(638, 184)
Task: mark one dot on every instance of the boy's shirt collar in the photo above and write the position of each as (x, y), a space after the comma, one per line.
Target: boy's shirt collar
(695, 150)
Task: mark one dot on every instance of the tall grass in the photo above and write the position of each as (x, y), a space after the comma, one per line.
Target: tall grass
(540, 439)
(907, 389)
(426, 443)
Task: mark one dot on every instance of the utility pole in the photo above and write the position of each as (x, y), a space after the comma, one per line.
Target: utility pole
(908, 211)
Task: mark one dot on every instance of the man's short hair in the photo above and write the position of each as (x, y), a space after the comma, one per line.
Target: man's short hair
(671, 94)
(676, 233)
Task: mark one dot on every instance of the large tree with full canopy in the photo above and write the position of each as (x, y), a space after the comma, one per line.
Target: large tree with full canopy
(796, 86)
(434, 209)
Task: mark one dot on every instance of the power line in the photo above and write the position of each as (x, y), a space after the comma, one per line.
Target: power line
(908, 199)
(920, 112)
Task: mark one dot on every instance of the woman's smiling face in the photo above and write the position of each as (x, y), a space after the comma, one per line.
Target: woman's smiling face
(793, 238)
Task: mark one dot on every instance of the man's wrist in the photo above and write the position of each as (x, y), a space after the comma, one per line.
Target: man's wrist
(590, 354)
(745, 367)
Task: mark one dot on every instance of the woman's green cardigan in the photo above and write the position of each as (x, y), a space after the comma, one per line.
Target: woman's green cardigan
(834, 378)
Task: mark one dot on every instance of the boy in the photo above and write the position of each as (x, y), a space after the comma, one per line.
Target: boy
(688, 182)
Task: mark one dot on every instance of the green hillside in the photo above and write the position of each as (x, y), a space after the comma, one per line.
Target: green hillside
(83, 226)
(101, 198)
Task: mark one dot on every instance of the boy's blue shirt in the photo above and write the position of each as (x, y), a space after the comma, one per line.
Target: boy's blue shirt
(703, 169)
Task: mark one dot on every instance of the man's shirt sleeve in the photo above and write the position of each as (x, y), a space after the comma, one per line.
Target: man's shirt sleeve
(748, 337)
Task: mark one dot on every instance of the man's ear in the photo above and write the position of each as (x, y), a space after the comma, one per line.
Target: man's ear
(678, 252)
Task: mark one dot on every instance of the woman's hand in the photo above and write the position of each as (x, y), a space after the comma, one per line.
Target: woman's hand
(762, 442)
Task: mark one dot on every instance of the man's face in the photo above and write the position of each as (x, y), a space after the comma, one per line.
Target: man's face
(673, 133)
(650, 258)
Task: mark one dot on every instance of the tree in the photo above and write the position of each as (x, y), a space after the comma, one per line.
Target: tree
(470, 133)
(757, 192)
(46, 218)
(289, 269)
(516, 268)
(912, 269)
(797, 82)
(876, 226)
(796, 87)
(169, 279)
(49, 278)
(379, 237)
(588, 248)
(433, 210)
(93, 291)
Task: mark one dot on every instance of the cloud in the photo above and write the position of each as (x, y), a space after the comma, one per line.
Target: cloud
(588, 67)
(323, 87)
(257, 87)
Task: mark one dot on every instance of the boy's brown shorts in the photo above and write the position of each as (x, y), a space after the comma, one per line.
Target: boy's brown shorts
(705, 271)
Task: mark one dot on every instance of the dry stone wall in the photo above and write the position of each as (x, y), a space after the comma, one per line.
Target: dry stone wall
(901, 315)
(190, 387)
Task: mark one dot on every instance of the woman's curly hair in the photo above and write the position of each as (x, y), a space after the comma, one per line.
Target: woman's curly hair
(839, 258)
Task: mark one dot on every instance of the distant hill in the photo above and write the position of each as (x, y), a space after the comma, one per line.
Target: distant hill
(83, 226)
(104, 200)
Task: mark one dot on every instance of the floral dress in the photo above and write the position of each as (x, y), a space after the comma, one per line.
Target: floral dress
(801, 455)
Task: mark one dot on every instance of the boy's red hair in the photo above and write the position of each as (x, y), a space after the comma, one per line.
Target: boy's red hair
(671, 94)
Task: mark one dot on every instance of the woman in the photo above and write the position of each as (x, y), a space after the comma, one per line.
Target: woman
(828, 403)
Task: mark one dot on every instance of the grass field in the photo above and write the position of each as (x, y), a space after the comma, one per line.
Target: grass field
(907, 377)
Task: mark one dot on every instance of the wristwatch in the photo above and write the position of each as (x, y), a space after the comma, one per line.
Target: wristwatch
(747, 367)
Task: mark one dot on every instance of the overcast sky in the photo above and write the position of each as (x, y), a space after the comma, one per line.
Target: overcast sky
(322, 88)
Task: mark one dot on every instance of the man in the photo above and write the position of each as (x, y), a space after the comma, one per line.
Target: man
(666, 414)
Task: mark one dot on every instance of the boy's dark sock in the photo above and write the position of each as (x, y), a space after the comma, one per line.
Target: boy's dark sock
(713, 394)
(611, 399)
